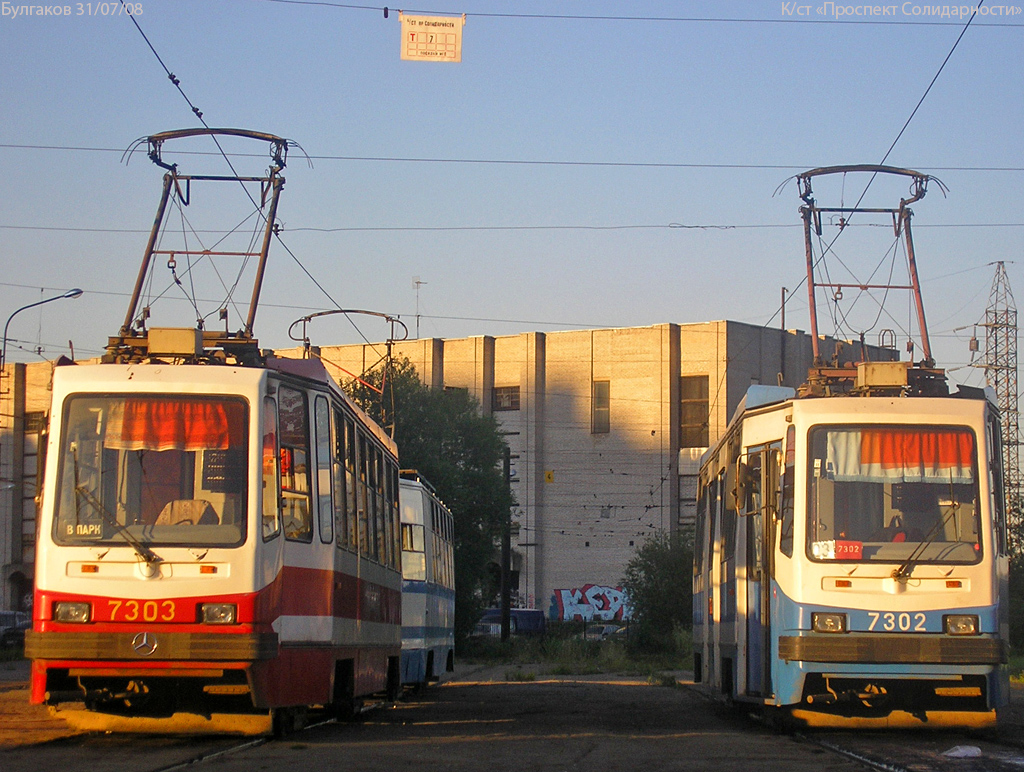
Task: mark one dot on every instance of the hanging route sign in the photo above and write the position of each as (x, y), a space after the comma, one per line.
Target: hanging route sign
(432, 38)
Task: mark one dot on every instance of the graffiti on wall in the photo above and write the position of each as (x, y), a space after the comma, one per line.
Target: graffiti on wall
(591, 601)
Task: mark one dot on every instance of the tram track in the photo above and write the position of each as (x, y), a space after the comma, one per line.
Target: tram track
(209, 756)
(454, 727)
(923, 751)
(238, 747)
(316, 722)
(882, 766)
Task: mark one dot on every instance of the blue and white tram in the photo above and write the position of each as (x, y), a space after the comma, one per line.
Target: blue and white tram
(851, 557)
(428, 582)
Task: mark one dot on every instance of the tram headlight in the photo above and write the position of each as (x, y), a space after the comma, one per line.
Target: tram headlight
(828, 622)
(75, 612)
(219, 613)
(960, 624)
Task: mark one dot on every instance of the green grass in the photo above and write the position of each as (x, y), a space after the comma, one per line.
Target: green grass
(563, 652)
(520, 675)
(1017, 668)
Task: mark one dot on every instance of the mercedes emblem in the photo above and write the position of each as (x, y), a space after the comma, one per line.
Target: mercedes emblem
(144, 644)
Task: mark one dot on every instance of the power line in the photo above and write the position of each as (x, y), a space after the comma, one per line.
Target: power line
(442, 228)
(256, 207)
(624, 18)
(828, 248)
(506, 161)
(925, 94)
(290, 307)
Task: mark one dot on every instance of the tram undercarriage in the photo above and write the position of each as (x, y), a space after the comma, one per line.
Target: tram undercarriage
(865, 702)
(217, 701)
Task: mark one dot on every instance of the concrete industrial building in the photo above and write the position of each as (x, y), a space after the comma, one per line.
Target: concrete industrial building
(24, 415)
(605, 426)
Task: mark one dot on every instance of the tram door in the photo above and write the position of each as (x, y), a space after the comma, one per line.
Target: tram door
(761, 501)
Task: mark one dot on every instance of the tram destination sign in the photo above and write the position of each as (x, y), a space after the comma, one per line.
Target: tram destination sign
(432, 38)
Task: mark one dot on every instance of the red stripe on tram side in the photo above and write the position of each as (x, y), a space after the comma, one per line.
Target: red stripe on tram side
(380, 604)
(307, 592)
(318, 592)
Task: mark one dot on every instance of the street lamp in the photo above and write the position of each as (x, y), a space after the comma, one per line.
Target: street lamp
(12, 488)
(71, 293)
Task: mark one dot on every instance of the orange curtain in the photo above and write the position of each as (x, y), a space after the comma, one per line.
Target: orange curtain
(154, 423)
(917, 454)
(914, 449)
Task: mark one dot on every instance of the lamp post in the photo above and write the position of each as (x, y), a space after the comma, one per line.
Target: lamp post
(11, 487)
(71, 293)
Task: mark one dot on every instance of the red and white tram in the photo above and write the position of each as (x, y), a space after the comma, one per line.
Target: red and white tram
(214, 540)
(219, 543)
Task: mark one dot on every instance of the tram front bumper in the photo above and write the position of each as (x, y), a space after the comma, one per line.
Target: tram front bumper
(919, 649)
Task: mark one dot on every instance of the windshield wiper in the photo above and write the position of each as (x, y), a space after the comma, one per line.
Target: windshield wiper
(141, 549)
(902, 573)
(82, 490)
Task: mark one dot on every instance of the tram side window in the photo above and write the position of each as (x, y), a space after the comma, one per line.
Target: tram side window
(727, 511)
(754, 494)
(394, 517)
(787, 506)
(728, 531)
(351, 508)
(378, 505)
(997, 496)
(387, 555)
(439, 548)
(338, 480)
(271, 500)
(434, 574)
(298, 525)
(414, 566)
(366, 543)
(325, 507)
(755, 510)
(700, 531)
(446, 546)
(442, 548)
(714, 503)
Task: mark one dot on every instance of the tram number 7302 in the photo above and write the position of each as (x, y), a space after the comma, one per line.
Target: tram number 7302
(905, 622)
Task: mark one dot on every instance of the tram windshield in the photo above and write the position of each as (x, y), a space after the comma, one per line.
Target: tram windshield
(893, 494)
(147, 469)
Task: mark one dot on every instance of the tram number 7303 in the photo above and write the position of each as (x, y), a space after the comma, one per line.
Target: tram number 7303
(905, 622)
(141, 611)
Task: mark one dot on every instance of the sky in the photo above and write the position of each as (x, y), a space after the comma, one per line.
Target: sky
(586, 164)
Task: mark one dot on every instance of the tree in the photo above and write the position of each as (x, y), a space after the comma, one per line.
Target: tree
(444, 435)
(659, 587)
(1015, 602)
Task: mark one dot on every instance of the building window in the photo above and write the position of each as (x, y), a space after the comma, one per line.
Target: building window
(688, 485)
(35, 422)
(600, 410)
(505, 398)
(693, 411)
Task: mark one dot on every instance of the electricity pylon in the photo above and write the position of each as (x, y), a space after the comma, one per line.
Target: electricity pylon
(1001, 375)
